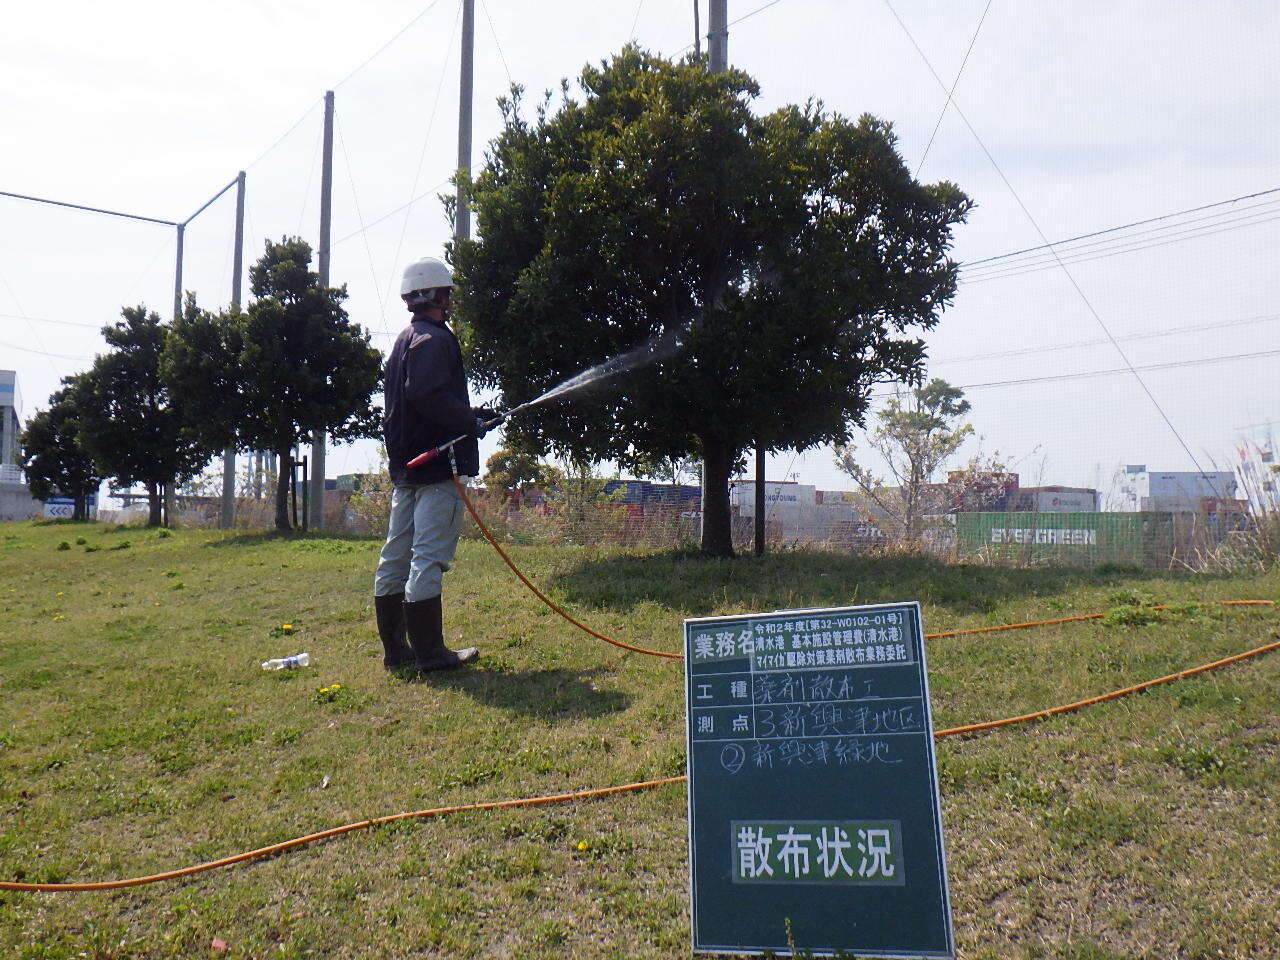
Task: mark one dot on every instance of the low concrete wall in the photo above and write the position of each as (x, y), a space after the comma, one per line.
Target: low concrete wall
(16, 503)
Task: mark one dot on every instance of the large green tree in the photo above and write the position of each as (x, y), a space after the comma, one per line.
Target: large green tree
(53, 456)
(795, 247)
(131, 424)
(267, 377)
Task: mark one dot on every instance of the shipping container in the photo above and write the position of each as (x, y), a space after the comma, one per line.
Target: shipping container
(1079, 539)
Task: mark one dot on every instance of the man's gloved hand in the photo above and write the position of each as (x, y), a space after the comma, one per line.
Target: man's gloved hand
(483, 416)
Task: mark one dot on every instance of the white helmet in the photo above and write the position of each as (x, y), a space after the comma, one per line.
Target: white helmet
(427, 274)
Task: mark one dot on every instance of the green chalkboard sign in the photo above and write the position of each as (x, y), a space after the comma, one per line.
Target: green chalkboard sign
(813, 797)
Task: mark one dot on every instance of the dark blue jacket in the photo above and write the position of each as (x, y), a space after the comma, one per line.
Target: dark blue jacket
(427, 404)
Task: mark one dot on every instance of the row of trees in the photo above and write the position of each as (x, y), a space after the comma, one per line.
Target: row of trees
(794, 252)
(165, 399)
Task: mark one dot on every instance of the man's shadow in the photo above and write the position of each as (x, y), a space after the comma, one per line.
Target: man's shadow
(551, 694)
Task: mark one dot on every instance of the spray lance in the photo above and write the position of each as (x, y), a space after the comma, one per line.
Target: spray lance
(487, 425)
(659, 347)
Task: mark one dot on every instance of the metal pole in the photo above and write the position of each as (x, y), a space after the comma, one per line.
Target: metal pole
(316, 479)
(227, 519)
(462, 222)
(759, 500)
(177, 274)
(718, 35)
(170, 504)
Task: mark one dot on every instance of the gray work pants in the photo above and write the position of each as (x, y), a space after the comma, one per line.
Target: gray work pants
(422, 536)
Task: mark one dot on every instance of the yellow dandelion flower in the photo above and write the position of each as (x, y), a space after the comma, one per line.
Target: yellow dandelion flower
(337, 686)
(582, 845)
(286, 626)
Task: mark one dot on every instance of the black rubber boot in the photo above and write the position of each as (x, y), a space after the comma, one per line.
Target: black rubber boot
(396, 652)
(425, 622)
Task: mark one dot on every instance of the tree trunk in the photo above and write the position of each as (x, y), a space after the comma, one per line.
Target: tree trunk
(80, 510)
(282, 490)
(153, 504)
(717, 529)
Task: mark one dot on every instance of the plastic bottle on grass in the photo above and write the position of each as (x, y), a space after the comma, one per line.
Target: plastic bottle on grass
(286, 663)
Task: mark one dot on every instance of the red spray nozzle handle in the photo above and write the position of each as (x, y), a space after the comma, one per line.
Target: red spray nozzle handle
(430, 455)
(422, 458)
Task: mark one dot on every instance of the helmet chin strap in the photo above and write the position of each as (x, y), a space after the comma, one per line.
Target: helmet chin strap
(425, 300)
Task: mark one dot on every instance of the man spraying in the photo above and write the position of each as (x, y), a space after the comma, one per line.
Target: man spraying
(426, 405)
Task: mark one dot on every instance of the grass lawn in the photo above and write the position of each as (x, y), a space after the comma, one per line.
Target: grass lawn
(138, 734)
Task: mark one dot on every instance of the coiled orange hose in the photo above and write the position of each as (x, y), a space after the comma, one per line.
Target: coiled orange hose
(296, 842)
(565, 797)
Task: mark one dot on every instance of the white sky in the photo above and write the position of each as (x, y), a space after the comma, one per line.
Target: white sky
(1098, 113)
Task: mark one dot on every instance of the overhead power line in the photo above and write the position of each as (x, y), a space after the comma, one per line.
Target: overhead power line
(394, 37)
(1049, 245)
(65, 323)
(497, 43)
(45, 353)
(284, 136)
(1152, 238)
(1123, 226)
(1194, 225)
(733, 23)
(748, 16)
(422, 157)
(355, 197)
(952, 92)
(1156, 244)
(390, 213)
(1080, 344)
(1091, 374)
(635, 20)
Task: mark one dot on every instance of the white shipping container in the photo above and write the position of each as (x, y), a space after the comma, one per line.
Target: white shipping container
(779, 498)
(1065, 502)
(1191, 486)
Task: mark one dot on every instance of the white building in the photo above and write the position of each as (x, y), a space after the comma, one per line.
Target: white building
(10, 409)
(1178, 492)
(15, 499)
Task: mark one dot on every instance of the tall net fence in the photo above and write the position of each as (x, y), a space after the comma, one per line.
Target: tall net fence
(1121, 378)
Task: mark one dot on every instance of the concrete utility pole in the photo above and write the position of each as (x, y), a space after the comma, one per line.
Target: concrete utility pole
(718, 60)
(697, 27)
(462, 222)
(718, 35)
(315, 504)
(227, 518)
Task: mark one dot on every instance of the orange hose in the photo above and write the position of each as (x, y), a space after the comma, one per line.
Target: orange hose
(1113, 695)
(565, 797)
(542, 596)
(1083, 616)
(326, 834)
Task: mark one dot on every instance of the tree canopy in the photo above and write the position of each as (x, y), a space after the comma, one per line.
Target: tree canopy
(53, 456)
(795, 249)
(267, 377)
(131, 424)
